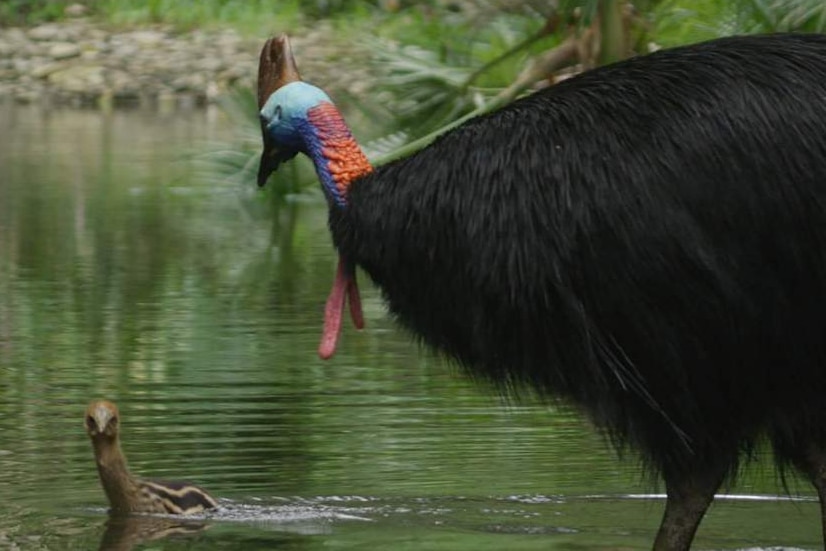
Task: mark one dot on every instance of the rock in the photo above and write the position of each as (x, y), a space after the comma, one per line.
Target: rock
(63, 50)
(189, 82)
(123, 85)
(210, 64)
(75, 10)
(22, 65)
(14, 35)
(7, 49)
(26, 95)
(91, 55)
(146, 38)
(85, 79)
(47, 32)
(8, 74)
(45, 69)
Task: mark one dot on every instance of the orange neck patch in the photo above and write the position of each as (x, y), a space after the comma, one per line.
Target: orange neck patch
(345, 159)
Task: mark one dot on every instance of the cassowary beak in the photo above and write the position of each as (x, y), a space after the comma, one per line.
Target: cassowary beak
(270, 159)
(276, 67)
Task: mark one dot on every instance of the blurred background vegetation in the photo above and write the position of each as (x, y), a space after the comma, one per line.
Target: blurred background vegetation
(406, 71)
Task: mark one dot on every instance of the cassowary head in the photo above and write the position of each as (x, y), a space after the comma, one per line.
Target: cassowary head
(297, 117)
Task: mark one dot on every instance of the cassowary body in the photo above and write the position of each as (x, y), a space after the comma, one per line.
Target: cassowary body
(646, 240)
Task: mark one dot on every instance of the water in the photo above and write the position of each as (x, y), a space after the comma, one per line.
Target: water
(128, 272)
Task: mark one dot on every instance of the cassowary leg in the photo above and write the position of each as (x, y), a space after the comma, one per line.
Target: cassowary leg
(688, 498)
(813, 465)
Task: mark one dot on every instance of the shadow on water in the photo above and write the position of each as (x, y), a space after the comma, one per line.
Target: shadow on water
(128, 272)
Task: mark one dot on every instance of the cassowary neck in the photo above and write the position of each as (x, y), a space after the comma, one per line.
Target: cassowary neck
(338, 161)
(337, 157)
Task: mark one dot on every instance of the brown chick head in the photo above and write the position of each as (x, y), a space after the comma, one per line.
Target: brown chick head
(102, 419)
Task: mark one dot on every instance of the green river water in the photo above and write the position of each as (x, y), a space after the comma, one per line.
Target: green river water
(129, 272)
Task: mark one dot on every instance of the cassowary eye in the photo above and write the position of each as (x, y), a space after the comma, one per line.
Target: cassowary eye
(274, 119)
(90, 422)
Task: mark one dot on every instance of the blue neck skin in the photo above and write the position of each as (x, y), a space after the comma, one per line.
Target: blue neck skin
(314, 149)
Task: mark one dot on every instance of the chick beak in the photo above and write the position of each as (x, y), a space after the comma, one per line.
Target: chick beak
(101, 416)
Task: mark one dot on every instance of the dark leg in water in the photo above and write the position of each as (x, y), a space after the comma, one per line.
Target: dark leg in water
(689, 496)
(813, 464)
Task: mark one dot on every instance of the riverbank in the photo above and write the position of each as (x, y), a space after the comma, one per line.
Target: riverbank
(80, 63)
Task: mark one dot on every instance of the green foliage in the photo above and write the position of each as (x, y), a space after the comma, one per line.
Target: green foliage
(24, 12)
(251, 16)
(681, 22)
(425, 87)
(783, 15)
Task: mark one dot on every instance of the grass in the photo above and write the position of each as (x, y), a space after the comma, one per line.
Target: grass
(26, 12)
(248, 17)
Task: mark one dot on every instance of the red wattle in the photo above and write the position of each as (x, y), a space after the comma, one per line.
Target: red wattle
(332, 313)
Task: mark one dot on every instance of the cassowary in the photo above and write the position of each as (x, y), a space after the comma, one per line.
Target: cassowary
(646, 240)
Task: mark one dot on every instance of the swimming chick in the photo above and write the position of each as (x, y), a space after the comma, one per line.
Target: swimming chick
(126, 492)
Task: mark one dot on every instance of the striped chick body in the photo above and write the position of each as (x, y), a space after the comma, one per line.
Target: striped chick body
(174, 497)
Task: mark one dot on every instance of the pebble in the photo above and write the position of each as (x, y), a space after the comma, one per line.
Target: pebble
(63, 50)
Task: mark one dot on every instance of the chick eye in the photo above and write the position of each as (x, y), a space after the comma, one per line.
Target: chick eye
(90, 422)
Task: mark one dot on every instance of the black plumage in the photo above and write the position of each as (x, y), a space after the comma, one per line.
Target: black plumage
(645, 240)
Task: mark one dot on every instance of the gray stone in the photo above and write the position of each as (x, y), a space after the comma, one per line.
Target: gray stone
(8, 74)
(26, 95)
(91, 55)
(7, 49)
(22, 64)
(80, 78)
(64, 50)
(146, 38)
(47, 32)
(15, 35)
(75, 10)
(192, 82)
(122, 84)
(43, 70)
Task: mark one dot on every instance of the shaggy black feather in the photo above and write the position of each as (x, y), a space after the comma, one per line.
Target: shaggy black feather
(646, 240)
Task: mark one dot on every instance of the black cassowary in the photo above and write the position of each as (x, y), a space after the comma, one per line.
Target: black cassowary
(646, 240)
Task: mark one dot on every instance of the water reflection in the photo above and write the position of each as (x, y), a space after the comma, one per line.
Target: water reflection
(124, 533)
(128, 273)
